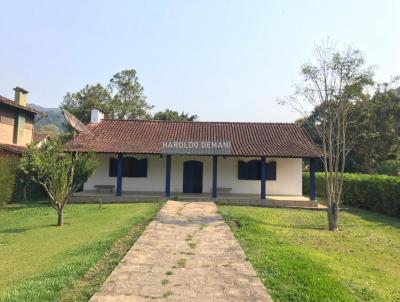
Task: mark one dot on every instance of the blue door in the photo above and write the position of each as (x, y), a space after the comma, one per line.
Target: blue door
(192, 176)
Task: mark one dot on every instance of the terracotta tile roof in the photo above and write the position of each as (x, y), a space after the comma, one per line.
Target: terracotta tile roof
(4, 100)
(13, 148)
(247, 139)
(39, 137)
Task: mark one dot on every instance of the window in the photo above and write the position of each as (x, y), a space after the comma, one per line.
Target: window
(131, 167)
(113, 167)
(271, 170)
(252, 170)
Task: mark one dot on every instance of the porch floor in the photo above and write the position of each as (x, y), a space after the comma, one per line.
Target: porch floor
(223, 198)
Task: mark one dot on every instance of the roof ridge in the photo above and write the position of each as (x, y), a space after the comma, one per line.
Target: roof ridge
(199, 122)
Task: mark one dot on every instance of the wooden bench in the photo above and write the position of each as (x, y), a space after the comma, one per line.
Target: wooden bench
(104, 188)
(223, 190)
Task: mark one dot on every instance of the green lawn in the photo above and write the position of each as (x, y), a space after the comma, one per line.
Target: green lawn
(42, 262)
(299, 260)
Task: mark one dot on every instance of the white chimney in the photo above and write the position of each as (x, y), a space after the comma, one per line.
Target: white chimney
(96, 115)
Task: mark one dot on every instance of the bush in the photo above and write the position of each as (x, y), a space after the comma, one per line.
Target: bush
(33, 191)
(389, 167)
(13, 181)
(378, 193)
(8, 175)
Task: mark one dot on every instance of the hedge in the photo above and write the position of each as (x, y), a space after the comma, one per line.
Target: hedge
(13, 181)
(378, 193)
(8, 176)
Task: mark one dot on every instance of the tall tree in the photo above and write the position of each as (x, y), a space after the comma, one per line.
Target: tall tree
(332, 83)
(122, 98)
(60, 174)
(80, 103)
(377, 148)
(379, 128)
(171, 115)
(128, 101)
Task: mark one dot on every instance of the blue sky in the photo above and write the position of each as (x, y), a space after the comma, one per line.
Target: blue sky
(222, 60)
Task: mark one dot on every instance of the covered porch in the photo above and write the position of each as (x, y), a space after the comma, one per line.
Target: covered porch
(220, 180)
(217, 191)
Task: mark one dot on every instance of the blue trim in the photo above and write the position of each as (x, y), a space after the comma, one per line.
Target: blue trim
(214, 179)
(313, 165)
(119, 174)
(263, 177)
(168, 176)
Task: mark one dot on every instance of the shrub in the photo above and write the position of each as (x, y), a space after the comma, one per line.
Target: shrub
(389, 167)
(13, 181)
(8, 175)
(378, 193)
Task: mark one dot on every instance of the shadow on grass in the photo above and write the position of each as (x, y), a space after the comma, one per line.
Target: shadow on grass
(243, 221)
(27, 205)
(380, 221)
(377, 219)
(26, 229)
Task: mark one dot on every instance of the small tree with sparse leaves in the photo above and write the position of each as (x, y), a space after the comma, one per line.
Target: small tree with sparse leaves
(60, 174)
(331, 85)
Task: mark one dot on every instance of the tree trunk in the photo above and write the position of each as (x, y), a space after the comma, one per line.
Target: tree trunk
(333, 214)
(60, 221)
(24, 192)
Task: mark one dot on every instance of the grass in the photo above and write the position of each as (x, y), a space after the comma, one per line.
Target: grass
(164, 281)
(42, 262)
(167, 294)
(181, 263)
(299, 260)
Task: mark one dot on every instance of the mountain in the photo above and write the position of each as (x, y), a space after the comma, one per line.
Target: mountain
(54, 116)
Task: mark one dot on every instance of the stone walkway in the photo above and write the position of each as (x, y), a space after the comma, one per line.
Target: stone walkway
(187, 253)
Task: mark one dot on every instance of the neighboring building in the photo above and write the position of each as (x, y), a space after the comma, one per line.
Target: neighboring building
(40, 139)
(16, 123)
(161, 157)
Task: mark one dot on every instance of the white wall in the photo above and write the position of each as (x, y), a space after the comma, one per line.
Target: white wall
(155, 180)
(288, 175)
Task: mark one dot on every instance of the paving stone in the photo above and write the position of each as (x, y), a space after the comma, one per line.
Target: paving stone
(191, 240)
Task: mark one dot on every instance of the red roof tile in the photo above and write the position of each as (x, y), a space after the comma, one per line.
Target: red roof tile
(247, 139)
(39, 137)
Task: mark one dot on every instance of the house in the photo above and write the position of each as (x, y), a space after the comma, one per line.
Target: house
(40, 139)
(218, 160)
(16, 123)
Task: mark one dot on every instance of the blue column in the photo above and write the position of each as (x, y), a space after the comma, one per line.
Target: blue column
(119, 174)
(313, 165)
(263, 177)
(214, 177)
(168, 176)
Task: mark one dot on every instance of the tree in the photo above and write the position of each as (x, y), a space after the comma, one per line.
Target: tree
(331, 85)
(122, 98)
(379, 129)
(128, 101)
(80, 103)
(60, 174)
(171, 115)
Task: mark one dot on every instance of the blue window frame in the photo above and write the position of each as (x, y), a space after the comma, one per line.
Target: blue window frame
(251, 170)
(131, 167)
